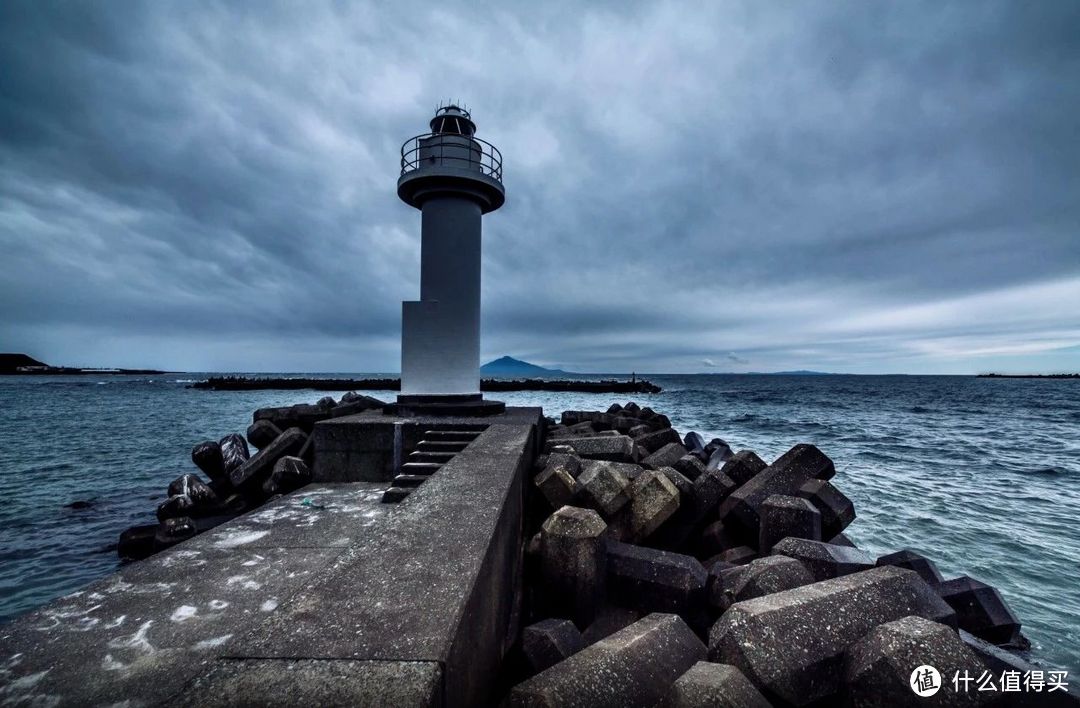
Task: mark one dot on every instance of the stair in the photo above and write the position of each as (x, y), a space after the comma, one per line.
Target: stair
(435, 449)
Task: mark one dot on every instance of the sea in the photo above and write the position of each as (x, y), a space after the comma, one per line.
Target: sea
(981, 475)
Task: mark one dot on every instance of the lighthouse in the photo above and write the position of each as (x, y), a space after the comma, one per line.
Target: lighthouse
(453, 178)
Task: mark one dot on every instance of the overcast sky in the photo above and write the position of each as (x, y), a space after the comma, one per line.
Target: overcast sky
(736, 186)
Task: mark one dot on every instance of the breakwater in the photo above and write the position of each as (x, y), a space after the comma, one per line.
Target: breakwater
(619, 570)
(240, 383)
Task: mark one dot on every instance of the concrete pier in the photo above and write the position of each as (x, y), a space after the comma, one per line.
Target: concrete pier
(325, 596)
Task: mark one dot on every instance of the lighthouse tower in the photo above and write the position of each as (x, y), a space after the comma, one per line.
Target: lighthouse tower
(453, 178)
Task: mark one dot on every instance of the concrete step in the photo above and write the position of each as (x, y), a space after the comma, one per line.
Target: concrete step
(452, 435)
(410, 480)
(395, 494)
(440, 446)
(425, 469)
(440, 457)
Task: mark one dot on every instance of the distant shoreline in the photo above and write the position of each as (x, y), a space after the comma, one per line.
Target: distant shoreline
(1027, 376)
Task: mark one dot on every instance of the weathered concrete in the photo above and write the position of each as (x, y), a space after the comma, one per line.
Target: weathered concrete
(144, 632)
(368, 446)
(325, 596)
(791, 644)
(633, 667)
(708, 685)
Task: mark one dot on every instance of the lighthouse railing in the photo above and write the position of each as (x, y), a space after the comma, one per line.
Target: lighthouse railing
(450, 150)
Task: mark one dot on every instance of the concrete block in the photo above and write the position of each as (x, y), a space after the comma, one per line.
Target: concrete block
(234, 452)
(738, 555)
(574, 562)
(633, 667)
(604, 487)
(693, 442)
(981, 610)
(710, 490)
(743, 466)
(842, 540)
(791, 644)
(878, 668)
(548, 642)
(717, 453)
(784, 476)
(609, 620)
(690, 466)
(658, 439)
(615, 448)
(824, 560)
(650, 580)
(709, 685)
(653, 500)
(289, 474)
(762, 576)
(251, 475)
(715, 539)
(261, 433)
(556, 483)
(837, 511)
(913, 561)
(207, 457)
(667, 456)
(782, 517)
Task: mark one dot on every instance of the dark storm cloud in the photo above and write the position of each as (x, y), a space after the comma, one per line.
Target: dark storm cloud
(743, 186)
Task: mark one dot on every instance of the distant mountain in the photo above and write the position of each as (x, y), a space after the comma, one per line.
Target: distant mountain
(802, 372)
(509, 366)
(10, 363)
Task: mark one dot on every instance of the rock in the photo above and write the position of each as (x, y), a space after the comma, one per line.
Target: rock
(667, 456)
(609, 620)
(646, 413)
(783, 517)
(763, 576)
(556, 482)
(709, 685)
(290, 473)
(836, 510)
(650, 580)
(137, 542)
(658, 439)
(261, 433)
(251, 475)
(207, 457)
(614, 409)
(743, 466)
(981, 610)
(200, 494)
(614, 448)
(234, 453)
(693, 442)
(632, 408)
(173, 531)
(653, 499)
(605, 487)
(633, 667)
(878, 668)
(549, 642)
(824, 560)
(913, 561)
(659, 422)
(791, 644)
(690, 466)
(785, 476)
(175, 506)
(326, 402)
(574, 562)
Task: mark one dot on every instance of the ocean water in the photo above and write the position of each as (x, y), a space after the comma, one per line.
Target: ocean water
(981, 475)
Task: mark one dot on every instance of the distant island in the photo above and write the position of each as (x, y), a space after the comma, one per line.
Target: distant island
(509, 366)
(25, 365)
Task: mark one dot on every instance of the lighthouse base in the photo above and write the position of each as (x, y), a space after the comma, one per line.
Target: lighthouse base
(466, 404)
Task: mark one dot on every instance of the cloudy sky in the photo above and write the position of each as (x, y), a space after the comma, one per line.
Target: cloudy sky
(724, 186)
